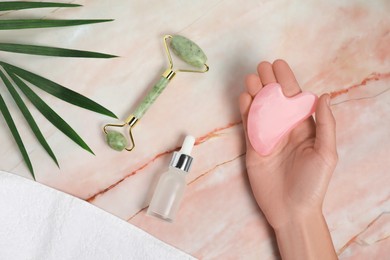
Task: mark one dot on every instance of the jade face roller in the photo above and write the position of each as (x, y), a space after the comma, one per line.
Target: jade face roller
(187, 51)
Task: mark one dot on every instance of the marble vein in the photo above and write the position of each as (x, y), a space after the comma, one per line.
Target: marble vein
(362, 98)
(355, 237)
(201, 16)
(215, 167)
(199, 140)
(195, 180)
(375, 76)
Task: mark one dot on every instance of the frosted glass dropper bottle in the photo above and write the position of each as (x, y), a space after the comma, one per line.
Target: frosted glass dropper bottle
(170, 188)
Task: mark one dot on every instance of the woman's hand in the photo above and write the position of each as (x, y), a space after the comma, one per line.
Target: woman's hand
(290, 184)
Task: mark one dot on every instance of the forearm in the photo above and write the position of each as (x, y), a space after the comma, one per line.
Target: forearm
(305, 238)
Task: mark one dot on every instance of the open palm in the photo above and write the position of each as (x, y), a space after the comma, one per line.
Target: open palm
(293, 179)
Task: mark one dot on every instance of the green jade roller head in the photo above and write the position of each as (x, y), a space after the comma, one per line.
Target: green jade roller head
(187, 51)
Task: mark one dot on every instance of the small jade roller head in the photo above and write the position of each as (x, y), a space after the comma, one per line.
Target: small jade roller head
(186, 50)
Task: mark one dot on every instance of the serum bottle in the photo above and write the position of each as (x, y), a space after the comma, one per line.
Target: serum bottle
(171, 186)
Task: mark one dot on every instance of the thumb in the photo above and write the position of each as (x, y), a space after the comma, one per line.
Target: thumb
(245, 101)
(325, 142)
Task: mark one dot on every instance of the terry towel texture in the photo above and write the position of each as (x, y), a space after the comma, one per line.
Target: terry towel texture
(38, 222)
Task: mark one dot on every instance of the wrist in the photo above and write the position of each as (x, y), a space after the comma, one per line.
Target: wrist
(305, 236)
(299, 218)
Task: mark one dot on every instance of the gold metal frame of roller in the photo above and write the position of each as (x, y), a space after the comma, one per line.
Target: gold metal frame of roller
(168, 74)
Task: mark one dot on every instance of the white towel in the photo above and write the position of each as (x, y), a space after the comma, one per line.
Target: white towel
(38, 222)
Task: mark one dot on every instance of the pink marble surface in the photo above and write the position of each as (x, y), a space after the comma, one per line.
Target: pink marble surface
(341, 47)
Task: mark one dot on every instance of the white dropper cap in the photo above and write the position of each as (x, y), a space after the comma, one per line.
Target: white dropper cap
(182, 159)
(188, 144)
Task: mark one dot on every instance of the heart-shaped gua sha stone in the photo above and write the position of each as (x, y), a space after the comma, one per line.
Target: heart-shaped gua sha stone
(273, 115)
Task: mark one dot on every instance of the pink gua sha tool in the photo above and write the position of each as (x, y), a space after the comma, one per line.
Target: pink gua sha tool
(273, 115)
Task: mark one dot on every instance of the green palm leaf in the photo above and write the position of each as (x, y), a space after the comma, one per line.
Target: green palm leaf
(44, 23)
(11, 125)
(49, 113)
(58, 91)
(51, 51)
(27, 115)
(20, 76)
(6, 6)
